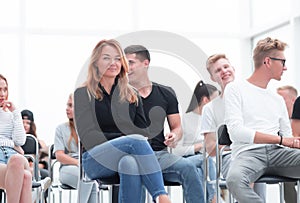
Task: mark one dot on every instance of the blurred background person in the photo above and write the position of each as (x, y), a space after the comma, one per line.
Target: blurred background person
(296, 118)
(191, 144)
(289, 94)
(66, 148)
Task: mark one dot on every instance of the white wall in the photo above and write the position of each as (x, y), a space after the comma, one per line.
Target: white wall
(44, 44)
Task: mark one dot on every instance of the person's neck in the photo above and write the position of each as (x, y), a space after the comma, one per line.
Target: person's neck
(198, 110)
(259, 79)
(107, 83)
(144, 86)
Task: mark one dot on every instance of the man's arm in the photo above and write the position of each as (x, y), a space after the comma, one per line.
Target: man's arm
(210, 143)
(296, 127)
(175, 133)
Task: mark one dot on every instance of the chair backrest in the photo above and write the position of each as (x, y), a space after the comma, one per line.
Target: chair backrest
(223, 136)
(31, 150)
(51, 161)
(51, 152)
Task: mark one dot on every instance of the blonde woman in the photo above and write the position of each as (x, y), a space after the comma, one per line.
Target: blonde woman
(110, 120)
(66, 148)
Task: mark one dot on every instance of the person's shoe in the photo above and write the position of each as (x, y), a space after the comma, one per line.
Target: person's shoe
(45, 183)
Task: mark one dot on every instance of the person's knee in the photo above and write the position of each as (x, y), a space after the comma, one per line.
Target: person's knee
(128, 165)
(232, 180)
(187, 169)
(17, 161)
(27, 178)
(137, 137)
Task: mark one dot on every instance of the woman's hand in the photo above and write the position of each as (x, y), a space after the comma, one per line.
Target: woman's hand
(19, 149)
(8, 106)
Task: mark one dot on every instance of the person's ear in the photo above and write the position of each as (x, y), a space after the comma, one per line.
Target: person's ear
(266, 60)
(205, 100)
(146, 62)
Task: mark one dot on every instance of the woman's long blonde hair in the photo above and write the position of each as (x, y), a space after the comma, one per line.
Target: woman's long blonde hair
(73, 134)
(127, 93)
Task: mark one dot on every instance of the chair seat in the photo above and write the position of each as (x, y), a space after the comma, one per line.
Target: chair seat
(272, 179)
(111, 180)
(66, 187)
(168, 183)
(35, 184)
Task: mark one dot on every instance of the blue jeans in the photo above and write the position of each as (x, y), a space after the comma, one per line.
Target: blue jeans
(184, 171)
(198, 160)
(133, 159)
(6, 153)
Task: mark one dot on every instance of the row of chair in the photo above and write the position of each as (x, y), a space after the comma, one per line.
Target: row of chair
(223, 139)
(31, 151)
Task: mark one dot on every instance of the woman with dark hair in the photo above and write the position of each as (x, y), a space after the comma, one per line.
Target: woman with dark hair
(191, 144)
(111, 124)
(30, 128)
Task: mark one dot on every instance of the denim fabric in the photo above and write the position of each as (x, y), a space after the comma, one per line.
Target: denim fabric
(68, 174)
(198, 160)
(132, 157)
(6, 153)
(184, 171)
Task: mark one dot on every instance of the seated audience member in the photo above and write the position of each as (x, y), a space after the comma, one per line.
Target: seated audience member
(160, 103)
(111, 124)
(30, 128)
(15, 178)
(296, 118)
(12, 137)
(258, 130)
(191, 143)
(66, 148)
(289, 94)
(223, 73)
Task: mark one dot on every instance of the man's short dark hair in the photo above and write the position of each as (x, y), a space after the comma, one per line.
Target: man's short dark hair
(141, 52)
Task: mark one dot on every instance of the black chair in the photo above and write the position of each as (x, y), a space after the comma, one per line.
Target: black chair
(31, 151)
(224, 139)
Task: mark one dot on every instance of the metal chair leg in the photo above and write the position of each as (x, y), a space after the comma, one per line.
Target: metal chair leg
(60, 195)
(298, 191)
(281, 191)
(70, 196)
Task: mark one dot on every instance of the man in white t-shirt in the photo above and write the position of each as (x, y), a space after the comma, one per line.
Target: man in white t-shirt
(222, 72)
(255, 116)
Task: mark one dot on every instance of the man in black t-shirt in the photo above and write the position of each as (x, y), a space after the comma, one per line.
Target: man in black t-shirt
(296, 118)
(160, 103)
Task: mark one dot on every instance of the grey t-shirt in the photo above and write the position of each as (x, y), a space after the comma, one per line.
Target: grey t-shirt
(62, 135)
